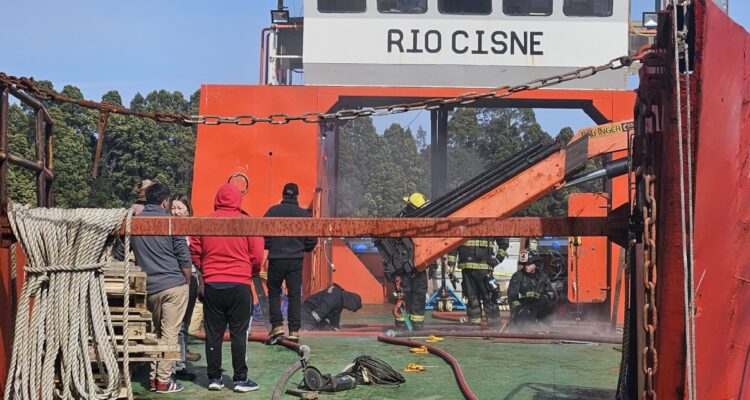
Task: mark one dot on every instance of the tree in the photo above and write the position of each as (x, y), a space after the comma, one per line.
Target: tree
(358, 148)
(72, 163)
(21, 182)
(140, 148)
(376, 172)
(566, 134)
(401, 169)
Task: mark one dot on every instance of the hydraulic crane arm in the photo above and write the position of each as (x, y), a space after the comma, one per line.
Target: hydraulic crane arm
(514, 184)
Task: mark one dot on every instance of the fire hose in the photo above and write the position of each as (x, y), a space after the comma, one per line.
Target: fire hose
(455, 366)
(612, 339)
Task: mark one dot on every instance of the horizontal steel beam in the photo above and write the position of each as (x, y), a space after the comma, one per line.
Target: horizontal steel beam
(371, 227)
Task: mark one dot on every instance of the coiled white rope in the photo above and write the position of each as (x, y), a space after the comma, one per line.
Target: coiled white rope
(63, 303)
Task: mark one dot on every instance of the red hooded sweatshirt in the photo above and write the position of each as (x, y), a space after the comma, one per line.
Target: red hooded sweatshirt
(226, 258)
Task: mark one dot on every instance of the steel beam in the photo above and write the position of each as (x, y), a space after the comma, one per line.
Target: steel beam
(31, 102)
(373, 227)
(3, 147)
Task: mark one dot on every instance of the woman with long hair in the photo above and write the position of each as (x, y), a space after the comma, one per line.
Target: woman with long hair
(180, 207)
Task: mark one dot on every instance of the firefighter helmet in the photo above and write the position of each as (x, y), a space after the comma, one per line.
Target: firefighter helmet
(416, 199)
(528, 257)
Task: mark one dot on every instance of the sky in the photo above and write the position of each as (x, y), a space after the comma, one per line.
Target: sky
(143, 45)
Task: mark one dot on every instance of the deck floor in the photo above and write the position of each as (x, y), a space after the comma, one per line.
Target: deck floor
(493, 370)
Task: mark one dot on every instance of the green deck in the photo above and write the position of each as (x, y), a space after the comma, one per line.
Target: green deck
(493, 370)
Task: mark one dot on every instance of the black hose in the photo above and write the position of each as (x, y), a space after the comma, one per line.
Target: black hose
(371, 370)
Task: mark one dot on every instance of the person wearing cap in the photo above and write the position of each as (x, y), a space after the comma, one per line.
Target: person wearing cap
(530, 293)
(285, 255)
(140, 196)
(322, 311)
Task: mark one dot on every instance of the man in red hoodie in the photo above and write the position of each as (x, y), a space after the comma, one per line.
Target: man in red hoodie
(228, 265)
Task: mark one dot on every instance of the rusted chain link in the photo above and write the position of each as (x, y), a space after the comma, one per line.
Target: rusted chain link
(646, 197)
(30, 86)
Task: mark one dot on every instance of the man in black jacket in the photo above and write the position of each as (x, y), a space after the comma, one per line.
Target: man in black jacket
(530, 293)
(285, 255)
(322, 311)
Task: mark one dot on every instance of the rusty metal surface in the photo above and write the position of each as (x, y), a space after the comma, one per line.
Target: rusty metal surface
(103, 116)
(43, 152)
(31, 102)
(648, 126)
(40, 142)
(3, 148)
(371, 227)
(24, 163)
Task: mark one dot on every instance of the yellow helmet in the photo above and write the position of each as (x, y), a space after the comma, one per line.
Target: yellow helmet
(416, 199)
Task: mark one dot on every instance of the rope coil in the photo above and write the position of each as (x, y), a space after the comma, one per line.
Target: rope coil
(66, 251)
(69, 268)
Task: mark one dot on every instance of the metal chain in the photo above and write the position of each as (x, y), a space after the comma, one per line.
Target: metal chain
(648, 208)
(30, 86)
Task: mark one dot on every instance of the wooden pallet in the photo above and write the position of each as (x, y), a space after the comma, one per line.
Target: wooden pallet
(114, 284)
(136, 330)
(146, 350)
(137, 300)
(143, 345)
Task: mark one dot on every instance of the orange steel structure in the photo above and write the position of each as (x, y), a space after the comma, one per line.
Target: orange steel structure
(522, 189)
(587, 282)
(270, 156)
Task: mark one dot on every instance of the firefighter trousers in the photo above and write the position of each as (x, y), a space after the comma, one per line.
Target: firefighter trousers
(532, 311)
(415, 291)
(479, 297)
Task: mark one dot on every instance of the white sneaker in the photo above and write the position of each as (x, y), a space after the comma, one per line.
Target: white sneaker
(215, 384)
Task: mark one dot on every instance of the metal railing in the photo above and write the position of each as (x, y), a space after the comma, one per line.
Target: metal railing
(42, 165)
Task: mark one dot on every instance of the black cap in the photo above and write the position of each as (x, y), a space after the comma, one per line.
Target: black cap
(290, 190)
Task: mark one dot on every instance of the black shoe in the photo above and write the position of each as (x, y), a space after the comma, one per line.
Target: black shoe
(185, 375)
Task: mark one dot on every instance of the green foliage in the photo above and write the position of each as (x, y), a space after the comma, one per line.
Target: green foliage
(134, 149)
(375, 171)
(378, 171)
(21, 182)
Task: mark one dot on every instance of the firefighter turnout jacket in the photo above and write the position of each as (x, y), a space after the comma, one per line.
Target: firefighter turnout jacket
(477, 254)
(526, 288)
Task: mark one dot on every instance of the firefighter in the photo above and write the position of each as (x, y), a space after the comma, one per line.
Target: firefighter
(530, 293)
(414, 285)
(322, 311)
(477, 259)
